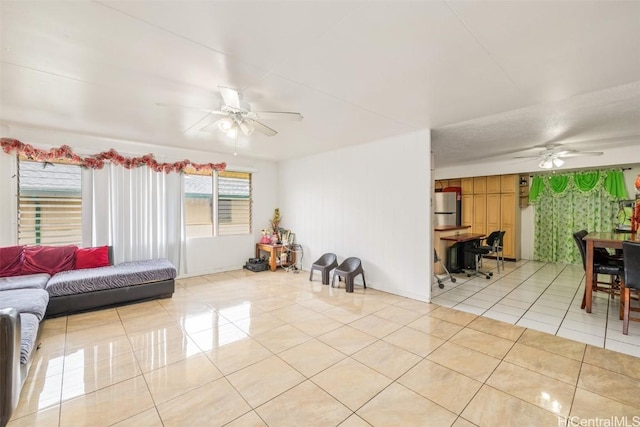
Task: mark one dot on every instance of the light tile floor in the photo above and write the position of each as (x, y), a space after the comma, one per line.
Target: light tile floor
(541, 296)
(254, 349)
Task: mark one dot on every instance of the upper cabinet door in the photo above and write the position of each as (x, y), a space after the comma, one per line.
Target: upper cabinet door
(509, 183)
(493, 184)
(467, 185)
(480, 185)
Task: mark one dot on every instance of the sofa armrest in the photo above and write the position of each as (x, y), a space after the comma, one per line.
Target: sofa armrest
(10, 376)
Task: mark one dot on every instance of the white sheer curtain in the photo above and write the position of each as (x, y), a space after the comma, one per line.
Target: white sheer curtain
(138, 211)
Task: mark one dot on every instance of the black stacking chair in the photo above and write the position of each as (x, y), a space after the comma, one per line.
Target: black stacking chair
(493, 243)
(631, 283)
(325, 264)
(603, 263)
(478, 252)
(348, 270)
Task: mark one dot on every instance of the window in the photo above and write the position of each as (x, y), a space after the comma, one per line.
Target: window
(198, 209)
(49, 203)
(232, 208)
(234, 203)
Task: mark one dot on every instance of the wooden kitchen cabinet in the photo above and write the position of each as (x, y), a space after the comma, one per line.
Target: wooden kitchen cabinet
(491, 203)
(493, 212)
(479, 214)
(509, 183)
(467, 185)
(493, 184)
(510, 223)
(480, 185)
(467, 210)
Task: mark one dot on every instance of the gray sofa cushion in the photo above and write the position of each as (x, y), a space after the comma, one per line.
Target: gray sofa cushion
(115, 276)
(33, 301)
(30, 281)
(29, 325)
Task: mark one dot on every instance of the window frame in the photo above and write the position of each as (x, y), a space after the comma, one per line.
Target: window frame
(72, 233)
(215, 205)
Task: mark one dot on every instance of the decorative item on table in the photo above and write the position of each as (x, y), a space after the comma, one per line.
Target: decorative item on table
(275, 226)
(284, 236)
(265, 236)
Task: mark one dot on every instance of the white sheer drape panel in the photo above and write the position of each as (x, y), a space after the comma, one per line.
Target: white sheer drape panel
(141, 212)
(96, 215)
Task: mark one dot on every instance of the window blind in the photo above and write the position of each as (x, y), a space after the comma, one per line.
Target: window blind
(234, 203)
(49, 203)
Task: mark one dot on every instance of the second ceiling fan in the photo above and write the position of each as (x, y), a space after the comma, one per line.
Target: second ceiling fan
(553, 155)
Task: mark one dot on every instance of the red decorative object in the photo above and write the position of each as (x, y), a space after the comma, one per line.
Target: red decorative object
(92, 257)
(48, 259)
(97, 161)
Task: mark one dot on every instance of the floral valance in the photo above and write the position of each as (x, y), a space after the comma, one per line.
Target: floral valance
(97, 161)
(612, 181)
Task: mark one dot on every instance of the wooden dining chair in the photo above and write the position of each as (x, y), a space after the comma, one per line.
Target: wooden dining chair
(631, 283)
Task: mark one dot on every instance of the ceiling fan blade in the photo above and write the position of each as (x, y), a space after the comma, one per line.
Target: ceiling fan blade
(581, 153)
(528, 157)
(275, 115)
(230, 96)
(266, 130)
(188, 107)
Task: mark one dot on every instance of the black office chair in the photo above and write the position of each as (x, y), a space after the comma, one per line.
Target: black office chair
(631, 283)
(493, 243)
(603, 263)
(478, 252)
(325, 264)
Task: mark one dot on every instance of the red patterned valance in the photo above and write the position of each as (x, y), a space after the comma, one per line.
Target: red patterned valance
(97, 161)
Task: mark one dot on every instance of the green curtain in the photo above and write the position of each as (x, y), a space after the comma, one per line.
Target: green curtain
(566, 203)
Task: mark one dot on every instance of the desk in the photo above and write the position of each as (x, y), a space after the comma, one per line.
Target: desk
(460, 240)
(601, 240)
(274, 252)
(441, 245)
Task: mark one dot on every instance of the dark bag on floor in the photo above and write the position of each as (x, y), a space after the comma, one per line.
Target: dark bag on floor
(256, 264)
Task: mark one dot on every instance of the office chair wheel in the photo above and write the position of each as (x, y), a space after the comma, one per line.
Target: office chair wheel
(487, 276)
(441, 285)
(453, 280)
(468, 275)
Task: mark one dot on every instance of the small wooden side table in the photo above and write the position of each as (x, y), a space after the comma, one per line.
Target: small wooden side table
(274, 252)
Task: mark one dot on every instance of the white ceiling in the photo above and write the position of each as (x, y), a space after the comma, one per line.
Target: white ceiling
(488, 77)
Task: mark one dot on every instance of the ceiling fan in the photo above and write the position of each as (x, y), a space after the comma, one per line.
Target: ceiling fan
(553, 155)
(239, 117)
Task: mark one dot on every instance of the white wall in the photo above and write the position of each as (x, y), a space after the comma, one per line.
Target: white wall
(204, 255)
(371, 201)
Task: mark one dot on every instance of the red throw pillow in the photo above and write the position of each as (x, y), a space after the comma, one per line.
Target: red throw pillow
(48, 259)
(11, 261)
(92, 257)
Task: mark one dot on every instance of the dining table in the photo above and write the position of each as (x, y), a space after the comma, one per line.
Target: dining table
(601, 240)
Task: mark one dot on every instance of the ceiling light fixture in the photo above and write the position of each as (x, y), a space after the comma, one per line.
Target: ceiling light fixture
(546, 164)
(226, 124)
(550, 162)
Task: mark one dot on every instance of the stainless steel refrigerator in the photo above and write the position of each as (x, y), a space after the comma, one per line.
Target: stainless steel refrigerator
(446, 209)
